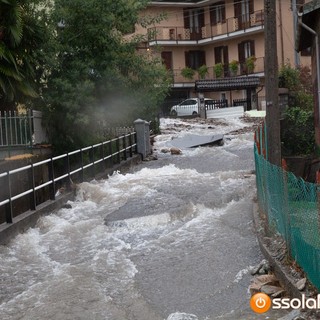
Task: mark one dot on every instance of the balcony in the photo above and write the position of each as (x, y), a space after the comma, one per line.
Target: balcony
(179, 80)
(234, 26)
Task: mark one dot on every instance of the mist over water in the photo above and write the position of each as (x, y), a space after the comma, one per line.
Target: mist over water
(73, 265)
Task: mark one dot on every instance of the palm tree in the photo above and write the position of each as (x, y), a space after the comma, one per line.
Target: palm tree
(17, 71)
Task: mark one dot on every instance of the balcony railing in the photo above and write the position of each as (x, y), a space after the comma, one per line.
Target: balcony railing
(230, 25)
(242, 70)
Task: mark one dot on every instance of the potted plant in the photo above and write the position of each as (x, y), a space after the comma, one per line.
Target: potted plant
(188, 73)
(218, 70)
(233, 65)
(250, 64)
(203, 71)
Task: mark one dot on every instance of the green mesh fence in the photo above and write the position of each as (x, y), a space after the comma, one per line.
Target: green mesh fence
(292, 208)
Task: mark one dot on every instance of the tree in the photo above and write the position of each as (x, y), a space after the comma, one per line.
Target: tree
(299, 83)
(97, 72)
(297, 128)
(22, 36)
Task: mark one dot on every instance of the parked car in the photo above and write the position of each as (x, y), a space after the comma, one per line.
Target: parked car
(189, 107)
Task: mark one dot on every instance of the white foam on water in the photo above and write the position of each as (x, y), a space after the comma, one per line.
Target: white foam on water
(241, 273)
(182, 316)
(72, 263)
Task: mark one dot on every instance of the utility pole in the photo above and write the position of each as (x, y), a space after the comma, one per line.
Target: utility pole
(271, 84)
(295, 28)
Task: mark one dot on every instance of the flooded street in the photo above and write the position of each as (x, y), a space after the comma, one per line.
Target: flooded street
(185, 253)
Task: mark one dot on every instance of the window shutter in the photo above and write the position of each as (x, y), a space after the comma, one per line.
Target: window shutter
(186, 15)
(237, 8)
(225, 55)
(187, 58)
(201, 18)
(252, 48)
(241, 52)
(251, 6)
(223, 9)
(213, 17)
(202, 58)
(217, 55)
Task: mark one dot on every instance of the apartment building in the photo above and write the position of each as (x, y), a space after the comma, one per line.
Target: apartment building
(225, 36)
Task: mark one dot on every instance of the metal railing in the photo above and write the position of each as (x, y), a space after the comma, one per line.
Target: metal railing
(59, 171)
(227, 27)
(15, 130)
(258, 68)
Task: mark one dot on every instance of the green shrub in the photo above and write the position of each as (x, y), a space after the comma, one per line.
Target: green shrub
(297, 132)
(203, 71)
(218, 70)
(188, 73)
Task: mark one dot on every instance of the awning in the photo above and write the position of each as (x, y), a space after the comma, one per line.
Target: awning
(227, 84)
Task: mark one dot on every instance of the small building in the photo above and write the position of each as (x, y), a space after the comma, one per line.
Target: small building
(308, 39)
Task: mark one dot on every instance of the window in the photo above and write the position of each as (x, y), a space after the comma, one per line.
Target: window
(218, 13)
(166, 57)
(195, 59)
(221, 55)
(245, 50)
(242, 11)
(194, 21)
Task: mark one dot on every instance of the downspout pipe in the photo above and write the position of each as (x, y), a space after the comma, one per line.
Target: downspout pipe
(303, 25)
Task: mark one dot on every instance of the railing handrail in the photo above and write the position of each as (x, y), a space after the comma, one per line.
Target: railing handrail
(122, 147)
(259, 68)
(231, 24)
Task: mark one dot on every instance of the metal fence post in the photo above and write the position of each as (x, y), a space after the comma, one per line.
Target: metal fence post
(125, 147)
(91, 157)
(67, 169)
(52, 186)
(130, 143)
(81, 173)
(30, 119)
(110, 154)
(8, 207)
(32, 186)
(118, 150)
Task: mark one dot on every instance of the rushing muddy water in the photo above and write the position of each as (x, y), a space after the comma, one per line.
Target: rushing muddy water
(75, 265)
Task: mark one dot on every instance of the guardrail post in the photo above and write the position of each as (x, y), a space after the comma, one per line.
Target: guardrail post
(82, 171)
(143, 137)
(102, 164)
(130, 143)
(52, 186)
(32, 197)
(8, 206)
(67, 169)
(118, 150)
(125, 147)
(91, 157)
(110, 154)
